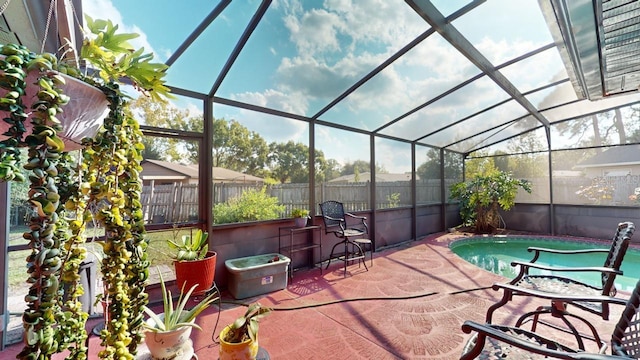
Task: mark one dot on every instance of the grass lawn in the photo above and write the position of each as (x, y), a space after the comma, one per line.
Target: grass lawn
(158, 252)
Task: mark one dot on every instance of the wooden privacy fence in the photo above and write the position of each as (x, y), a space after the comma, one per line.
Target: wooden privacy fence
(179, 202)
(170, 203)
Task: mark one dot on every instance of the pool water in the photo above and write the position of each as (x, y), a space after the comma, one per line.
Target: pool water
(496, 253)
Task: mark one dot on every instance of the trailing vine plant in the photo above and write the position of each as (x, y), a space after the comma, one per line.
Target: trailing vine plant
(113, 165)
(105, 188)
(112, 160)
(45, 262)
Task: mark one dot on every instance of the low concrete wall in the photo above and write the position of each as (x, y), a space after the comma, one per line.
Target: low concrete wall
(597, 222)
(390, 227)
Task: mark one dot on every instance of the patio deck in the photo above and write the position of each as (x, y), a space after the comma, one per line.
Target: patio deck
(411, 305)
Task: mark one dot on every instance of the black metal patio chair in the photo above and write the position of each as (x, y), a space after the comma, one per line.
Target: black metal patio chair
(336, 222)
(550, 286)
(508, 342)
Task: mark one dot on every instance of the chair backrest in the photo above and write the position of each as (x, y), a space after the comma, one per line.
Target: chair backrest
(332, 210)
(624, 340)
(618, 249)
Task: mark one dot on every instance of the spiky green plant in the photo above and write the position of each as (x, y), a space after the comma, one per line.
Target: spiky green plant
(190, 247)
(178, 316)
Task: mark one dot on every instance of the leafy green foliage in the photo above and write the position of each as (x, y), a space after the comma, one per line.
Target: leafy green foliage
(113, 56)
(252, 205)
(191, 247)
(299, 213)
(289, 162)
(481, 197)
(237, 148)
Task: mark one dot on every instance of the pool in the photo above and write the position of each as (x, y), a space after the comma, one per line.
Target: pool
(496, 253)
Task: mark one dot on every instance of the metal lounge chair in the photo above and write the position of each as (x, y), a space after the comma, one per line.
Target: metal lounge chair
(549, 286)
(335, 222)
(514, 342)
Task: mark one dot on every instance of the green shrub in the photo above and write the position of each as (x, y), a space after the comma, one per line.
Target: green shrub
(481, 197)
(252, 205)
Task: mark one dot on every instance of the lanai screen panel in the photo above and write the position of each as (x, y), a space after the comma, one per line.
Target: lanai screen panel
(199, 66)
(303, 56)
(456, 106)
(423, 73)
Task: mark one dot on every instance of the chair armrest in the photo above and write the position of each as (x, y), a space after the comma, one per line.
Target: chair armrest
(560, 296)
(355, 216)
(363, 219)
(559, 251)
(526, 266)
(495, 332)
(588, 356)
(538, 250)
(332, 218)
(504, 334)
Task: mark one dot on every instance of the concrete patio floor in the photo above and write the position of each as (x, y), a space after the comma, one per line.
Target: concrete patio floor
(409, 305)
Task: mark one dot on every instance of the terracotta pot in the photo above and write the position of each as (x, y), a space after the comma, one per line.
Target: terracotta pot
(174, 344)
(247, 350)
(200, 272)
(82, 116)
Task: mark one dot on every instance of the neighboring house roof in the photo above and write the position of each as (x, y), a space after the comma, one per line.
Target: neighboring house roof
(222, 174)
(615, 156)
(366, 176)
(165, 170)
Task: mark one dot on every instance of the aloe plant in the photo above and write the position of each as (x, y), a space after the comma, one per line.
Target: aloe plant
(191, 247)
(178, 316)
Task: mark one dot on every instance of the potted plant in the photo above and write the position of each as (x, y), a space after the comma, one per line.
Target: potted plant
(239, 340)
(195, 265)
(168, 333)
(481, 197)
(300, 217)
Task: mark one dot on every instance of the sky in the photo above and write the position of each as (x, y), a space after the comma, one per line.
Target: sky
(306, 53)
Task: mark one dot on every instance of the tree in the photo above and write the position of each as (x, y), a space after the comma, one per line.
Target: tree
(162, 115)
(361, 166)
(331, 169)
(289, 162)
(430, 169)
(326, 169)
(481, 164)
(237, 148)
(152, 149)
(606, 128)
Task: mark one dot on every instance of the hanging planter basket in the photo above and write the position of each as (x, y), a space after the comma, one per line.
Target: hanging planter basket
(82, 116)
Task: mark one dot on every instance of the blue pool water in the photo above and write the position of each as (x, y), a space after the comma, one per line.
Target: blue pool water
(496, 253)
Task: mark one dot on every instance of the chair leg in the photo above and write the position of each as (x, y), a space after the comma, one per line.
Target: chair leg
(473, 347)
(562, 315)
(332, 250)
(506, 297)
(360, 253)
(346, 255)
